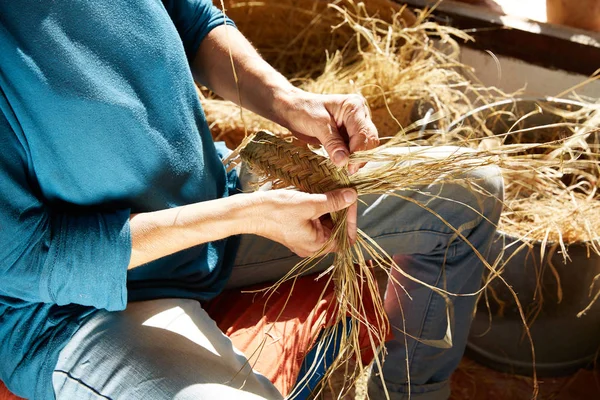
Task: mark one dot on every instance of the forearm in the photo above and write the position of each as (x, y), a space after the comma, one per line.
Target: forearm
(260, 86)
(160, 233)
(341, 123)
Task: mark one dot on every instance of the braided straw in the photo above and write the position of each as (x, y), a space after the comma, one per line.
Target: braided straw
(293, 165)
(285, 164)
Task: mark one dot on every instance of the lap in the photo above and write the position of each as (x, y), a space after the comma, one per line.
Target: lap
(172, 349)
(159, 349)
(398, 224)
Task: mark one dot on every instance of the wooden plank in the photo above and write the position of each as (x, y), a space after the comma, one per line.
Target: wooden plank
(546, 45)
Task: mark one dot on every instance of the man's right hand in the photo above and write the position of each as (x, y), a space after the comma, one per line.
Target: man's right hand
(300, 221)
(297, 220)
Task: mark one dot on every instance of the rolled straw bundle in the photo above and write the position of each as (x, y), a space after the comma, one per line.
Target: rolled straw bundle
(302, 168)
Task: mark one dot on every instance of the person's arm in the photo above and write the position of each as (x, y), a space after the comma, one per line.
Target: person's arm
(341, 123)
(66, 255)
(288, 217)
(59, 257)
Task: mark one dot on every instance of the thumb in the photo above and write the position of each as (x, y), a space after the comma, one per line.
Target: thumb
(337, 200)
(334, 144)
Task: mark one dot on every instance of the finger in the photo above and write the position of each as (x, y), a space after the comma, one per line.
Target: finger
(327, 223)
(330, 245)
(328, 134)
(363, 141)
(321, 242)
(335, 200)
(362, 133)
(355, 119)
(351, 222)
(322, 235)
(334, 144)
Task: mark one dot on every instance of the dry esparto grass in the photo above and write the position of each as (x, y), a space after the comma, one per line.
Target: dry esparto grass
(408, 71)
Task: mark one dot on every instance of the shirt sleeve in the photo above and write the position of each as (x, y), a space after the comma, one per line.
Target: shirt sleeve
(193, 20)
(53, 256)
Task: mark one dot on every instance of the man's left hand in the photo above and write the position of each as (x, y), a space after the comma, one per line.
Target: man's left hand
(341, 123)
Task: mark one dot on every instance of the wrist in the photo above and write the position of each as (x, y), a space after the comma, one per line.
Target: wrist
(244, 214)
(288, 103)
(259, 210)
(251, 212)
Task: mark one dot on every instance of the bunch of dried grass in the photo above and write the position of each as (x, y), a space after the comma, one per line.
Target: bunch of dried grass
(287, 165)
(295, 35)
(550, 160)
(401, 63)
(550, 164)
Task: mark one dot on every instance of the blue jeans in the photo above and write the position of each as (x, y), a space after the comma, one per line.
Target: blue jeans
(171, 349)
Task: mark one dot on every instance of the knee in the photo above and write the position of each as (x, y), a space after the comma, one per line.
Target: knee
(487, 185)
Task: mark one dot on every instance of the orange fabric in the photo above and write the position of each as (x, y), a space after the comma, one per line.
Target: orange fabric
(274, 336)
(5, 394)
(276, 332)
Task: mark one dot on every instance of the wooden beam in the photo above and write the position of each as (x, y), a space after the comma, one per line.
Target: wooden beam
(546, 45)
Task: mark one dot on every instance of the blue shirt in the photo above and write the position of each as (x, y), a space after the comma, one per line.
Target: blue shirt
(99, 118)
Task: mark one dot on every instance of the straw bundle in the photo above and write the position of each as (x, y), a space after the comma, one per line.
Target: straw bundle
(287, 165)
(564, 219)
(551, 167)
(295, 35)
(550, 162)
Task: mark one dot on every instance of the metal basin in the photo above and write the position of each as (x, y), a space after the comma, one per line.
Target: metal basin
(551, 291)
(563, 342)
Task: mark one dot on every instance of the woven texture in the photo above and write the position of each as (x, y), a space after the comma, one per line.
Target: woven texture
(293, 165)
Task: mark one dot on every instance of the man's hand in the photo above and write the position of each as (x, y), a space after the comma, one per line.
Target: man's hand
(341, 123)
(300, 221)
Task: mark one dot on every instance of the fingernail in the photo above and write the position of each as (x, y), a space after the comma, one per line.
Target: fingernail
(349, 196)
(339, 157)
